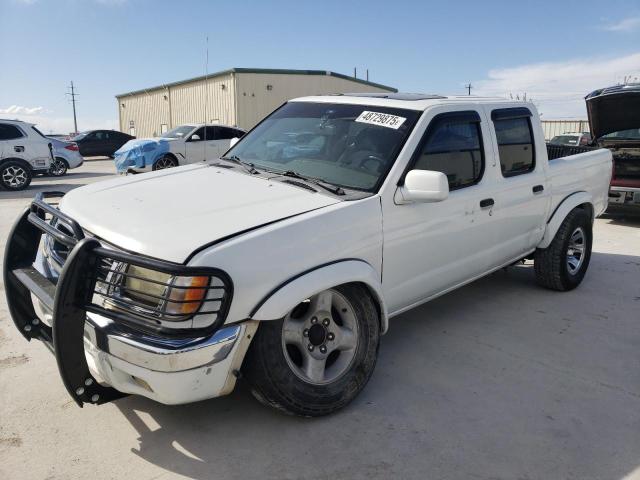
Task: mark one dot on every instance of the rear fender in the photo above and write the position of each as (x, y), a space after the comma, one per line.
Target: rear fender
(287, 295)
(557, 217)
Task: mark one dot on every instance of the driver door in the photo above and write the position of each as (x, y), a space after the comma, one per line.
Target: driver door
(430, 248)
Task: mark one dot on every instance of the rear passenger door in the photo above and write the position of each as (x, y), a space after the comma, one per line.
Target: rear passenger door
(521, 193)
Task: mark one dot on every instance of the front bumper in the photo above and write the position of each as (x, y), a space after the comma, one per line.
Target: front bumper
(100, 355)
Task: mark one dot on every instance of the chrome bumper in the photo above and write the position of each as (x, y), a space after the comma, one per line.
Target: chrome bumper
(172, 371)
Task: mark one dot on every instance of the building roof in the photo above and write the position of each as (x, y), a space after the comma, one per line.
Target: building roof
(278, 71)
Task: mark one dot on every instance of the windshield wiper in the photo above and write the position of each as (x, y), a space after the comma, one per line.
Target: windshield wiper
(248, 166)
(336, 190)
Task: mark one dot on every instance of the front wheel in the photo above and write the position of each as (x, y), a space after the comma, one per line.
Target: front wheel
(58, 167)
(166, 161)
(563, 264)
(318, 358)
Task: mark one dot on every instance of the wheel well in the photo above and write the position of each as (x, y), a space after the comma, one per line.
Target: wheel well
(588, 208)
(167, 154)
(63, 159)
(19, 160)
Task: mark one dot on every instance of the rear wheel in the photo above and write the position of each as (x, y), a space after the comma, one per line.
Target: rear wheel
(563, 264)
(59, 167)
(167, 161)
(318, 358)
(15, 175)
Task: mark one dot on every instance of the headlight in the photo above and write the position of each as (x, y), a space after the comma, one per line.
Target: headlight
(158, 295)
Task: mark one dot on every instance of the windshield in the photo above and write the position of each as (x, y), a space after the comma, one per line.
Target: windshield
(565, 140)
(352, 146)
(633, 134)
(178, 132)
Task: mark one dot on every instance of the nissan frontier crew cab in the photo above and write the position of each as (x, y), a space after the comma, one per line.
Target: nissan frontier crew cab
(284, 260)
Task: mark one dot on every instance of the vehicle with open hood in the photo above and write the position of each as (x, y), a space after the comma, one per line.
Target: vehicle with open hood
(284, 260)
(614, 117)
(179, 146)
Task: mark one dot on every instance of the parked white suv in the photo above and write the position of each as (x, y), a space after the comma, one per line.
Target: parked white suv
(180, 146)
(24, 151)
(333, 215)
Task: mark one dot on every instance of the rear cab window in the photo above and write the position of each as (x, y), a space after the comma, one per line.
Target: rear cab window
(453, 145)
(514, 136)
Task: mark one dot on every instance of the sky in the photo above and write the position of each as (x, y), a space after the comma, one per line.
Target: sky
(555, 52)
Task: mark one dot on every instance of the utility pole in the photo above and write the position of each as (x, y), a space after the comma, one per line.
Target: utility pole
(73, 102)
(468, 87)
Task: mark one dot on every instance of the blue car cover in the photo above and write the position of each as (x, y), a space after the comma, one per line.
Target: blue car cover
(140, 153)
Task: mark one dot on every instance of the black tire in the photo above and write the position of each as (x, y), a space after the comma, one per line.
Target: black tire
(274, 383)
(167, 161)
(58, 167)
(15, 175)
(551, 264)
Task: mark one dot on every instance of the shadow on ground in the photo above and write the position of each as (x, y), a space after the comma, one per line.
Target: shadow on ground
(500, 379)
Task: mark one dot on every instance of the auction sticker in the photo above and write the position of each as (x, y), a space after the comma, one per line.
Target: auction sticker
(381, 119)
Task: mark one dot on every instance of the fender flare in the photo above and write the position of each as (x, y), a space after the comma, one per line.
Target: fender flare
(282, 299)
(560, 213)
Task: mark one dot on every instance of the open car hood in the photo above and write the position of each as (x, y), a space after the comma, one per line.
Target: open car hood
(613, 109)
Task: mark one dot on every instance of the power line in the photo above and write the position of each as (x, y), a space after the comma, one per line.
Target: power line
(73, 95)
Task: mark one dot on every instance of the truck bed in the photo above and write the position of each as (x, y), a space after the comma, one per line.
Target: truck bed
(581, 169)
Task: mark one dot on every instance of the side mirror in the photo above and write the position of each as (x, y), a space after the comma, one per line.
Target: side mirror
(233, 141)
(195, 138)
(423, 186)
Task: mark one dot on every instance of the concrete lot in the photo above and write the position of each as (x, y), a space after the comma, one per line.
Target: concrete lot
(499, 380)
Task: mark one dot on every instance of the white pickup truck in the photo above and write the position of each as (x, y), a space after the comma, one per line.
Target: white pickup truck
(333, 215)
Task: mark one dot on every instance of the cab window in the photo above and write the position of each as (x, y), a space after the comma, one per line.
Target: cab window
(453, 146)
(515, 140)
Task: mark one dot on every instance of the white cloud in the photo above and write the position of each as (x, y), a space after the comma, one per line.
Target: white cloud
(628, 24)
(558, 88)
(49, 123)
(18, 109)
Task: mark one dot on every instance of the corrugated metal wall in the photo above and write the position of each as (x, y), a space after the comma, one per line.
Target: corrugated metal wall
(255, 101)
(558, 127)
(144, 113)
(150, 113)
(189, 99)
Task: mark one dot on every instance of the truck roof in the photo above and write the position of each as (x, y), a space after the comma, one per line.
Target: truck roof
(409, 101)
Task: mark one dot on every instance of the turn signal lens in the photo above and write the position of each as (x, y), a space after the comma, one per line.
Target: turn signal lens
(187, 300)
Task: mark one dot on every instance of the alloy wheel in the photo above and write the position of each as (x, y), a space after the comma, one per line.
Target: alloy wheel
(576, 250)
(14, 176)
(320, 337)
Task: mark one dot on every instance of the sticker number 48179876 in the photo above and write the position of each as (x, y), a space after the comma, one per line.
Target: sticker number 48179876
(381, 119)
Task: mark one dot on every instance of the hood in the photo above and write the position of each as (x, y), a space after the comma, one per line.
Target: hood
(140, 152)
(170, 213)
(613, 109)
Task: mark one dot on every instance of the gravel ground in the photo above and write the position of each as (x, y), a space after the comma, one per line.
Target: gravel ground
(498, 380)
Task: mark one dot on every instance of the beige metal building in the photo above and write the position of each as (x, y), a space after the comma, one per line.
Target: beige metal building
(239, 97)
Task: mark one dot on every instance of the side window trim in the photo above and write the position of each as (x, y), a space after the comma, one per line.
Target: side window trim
(511, 114)
(470, 116)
